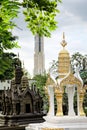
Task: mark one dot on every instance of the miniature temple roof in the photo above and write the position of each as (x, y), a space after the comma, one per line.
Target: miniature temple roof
(63, 60)
(70, 79)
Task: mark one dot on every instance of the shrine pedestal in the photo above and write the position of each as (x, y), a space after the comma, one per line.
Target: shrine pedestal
(60, 123)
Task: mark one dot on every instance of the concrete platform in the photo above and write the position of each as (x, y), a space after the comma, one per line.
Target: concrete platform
(65, 122)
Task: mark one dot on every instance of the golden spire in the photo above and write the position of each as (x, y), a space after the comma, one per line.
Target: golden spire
(63, 43)
(63, 35)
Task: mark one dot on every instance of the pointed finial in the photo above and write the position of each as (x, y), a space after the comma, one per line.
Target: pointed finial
(18, 54)
(63, 43)
(63, 36)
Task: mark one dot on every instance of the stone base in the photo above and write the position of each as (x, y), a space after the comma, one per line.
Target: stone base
(60, 123)
(23, 119)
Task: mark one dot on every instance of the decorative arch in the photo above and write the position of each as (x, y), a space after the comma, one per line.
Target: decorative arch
(71, 80)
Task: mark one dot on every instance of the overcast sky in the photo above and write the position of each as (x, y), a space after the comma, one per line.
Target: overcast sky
(72, 20)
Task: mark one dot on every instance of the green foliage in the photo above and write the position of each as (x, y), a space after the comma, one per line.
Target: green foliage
(40, 16)
(77, 59)
(81, 61)
(8, 11)
(84, 76)
(40, 81)
(65, 104)
(7, 41)
(7, 65)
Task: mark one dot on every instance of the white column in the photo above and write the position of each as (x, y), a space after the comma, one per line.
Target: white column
(51, 100)
(70, 92)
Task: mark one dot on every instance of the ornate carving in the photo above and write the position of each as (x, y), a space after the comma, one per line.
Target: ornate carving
(18, 74)
(72, 80)
(49, 81)
(63, 60)
(17, 101)
(85, 86)
(81, 97)
(59, 97)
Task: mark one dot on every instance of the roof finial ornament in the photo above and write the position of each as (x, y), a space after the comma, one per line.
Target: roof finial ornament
(63, 43)
(63, 36)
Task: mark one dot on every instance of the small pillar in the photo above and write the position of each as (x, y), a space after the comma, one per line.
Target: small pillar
(51, 100)
(81, 97)
(70, 91)
(14, 108)
(59, 97)
(22, 108)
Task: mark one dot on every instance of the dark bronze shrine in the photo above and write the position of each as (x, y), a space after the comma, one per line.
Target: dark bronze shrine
(21, 104)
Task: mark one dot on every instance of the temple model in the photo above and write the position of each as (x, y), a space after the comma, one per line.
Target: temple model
(67, 81)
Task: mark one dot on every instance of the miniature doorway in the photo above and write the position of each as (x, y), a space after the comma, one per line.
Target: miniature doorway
(28, 110)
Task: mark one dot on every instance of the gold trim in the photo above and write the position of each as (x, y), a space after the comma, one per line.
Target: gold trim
(59, 97)
(72, 80)
(81, 97)
(49, 81)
